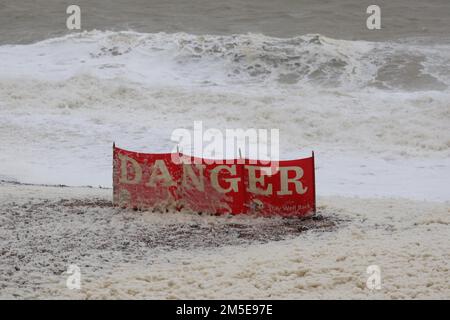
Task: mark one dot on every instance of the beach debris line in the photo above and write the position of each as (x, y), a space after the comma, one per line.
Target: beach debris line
(233, 186)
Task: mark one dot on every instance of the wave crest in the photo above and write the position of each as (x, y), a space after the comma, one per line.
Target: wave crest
(252, 59)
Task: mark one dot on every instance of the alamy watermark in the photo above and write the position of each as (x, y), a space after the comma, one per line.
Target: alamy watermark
(73, 21)
(374, 280)
(229, 146)
(73, 281)
(373, 22)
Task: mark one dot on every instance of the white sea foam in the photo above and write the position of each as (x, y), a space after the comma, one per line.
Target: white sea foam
(131, 255)
(174, 59)
(380, 107)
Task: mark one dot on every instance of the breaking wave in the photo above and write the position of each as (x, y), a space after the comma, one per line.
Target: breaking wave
(251, 59)
(64, 100)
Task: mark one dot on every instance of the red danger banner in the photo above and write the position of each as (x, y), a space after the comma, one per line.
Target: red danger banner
(175, 181)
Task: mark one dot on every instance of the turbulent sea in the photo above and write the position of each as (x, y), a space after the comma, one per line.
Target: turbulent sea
(375, 111)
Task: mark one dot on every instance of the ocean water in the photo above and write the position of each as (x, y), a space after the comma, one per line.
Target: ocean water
(27, 21)
(373, 105)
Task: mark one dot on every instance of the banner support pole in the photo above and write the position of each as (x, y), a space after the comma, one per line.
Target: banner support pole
(314, 180)
(114, 174)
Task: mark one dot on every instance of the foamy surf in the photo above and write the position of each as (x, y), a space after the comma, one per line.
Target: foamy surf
(369, 109)
(185, 59)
